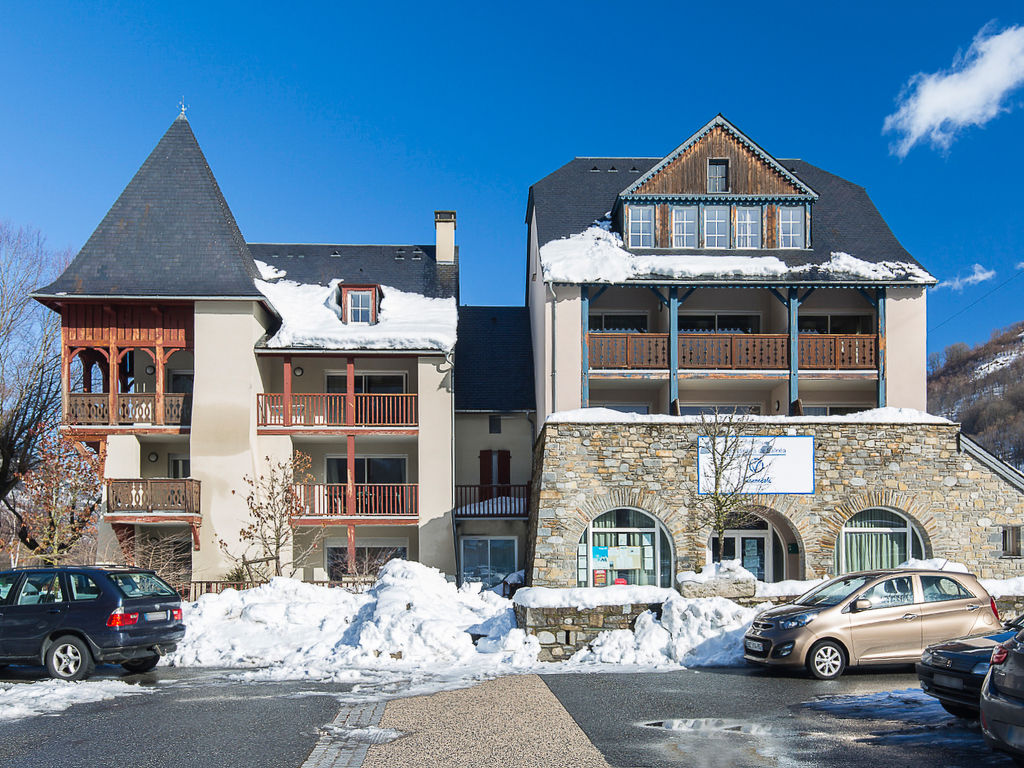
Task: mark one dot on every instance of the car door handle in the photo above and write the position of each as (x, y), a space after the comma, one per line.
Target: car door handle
(54, 610)
(973, 607)
(909, 616)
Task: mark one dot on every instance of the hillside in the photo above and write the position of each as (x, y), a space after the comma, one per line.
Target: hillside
(983, 388)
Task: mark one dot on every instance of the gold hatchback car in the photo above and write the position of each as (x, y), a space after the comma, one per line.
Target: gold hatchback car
(872, 617)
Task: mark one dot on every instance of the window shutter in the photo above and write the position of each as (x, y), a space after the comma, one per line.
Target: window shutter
(504, 467)
(486, 463)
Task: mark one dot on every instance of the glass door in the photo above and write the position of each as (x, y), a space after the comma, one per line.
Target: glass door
(487, 560)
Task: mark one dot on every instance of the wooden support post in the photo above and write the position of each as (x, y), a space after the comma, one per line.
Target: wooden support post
(350, 391)
(287, 391)
(350, 474)
(793, 306)
(585, 351)
(351, 546)
(65, 367)
(673, 347)
(158, 363)
(113, 380)
(881, 348)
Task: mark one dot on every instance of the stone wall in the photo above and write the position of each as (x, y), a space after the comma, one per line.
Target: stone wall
(957, 504)
(563, 631)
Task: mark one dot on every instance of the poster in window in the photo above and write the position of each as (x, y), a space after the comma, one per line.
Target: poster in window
(625, 558)
(599, 557)
(601, 578)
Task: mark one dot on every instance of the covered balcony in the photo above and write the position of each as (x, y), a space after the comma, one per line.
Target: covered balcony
(326, 503)
(160, 501)
(336, 410)
(491, 501)
(88, 408)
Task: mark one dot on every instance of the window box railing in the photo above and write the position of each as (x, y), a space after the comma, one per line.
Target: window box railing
(326, 500)
(491, 500)
(331, 410)
(156, 495)
(85, 408)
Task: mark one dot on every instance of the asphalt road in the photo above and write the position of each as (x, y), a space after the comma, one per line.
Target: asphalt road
(194, 719)
(748, 717)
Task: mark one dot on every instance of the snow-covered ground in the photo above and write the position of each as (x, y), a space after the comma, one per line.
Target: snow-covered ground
(19, 700)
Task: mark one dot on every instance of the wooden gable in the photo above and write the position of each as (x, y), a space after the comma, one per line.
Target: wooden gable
(749, 174)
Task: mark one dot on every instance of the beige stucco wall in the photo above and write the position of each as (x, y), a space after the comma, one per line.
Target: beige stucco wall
(472, 435)
(906, 356)
(123, 460)
(436, 416)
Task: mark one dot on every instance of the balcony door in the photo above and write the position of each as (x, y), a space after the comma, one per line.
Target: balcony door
(380, 484)
(369, 470)
(495, 471)
(367, 383)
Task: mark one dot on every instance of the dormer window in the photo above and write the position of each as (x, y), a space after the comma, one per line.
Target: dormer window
(791, 226)
(718, 175)
(641, 226)
(359, 303)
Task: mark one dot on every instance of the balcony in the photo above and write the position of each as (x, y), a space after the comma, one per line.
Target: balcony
(732, 351)
(329, 410)
(152, 496)
(482, 501)
(332, 502)
(88, 408)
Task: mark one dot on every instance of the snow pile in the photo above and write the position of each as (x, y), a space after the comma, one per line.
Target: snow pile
(591, 597)
(312, 317)
(269, 271)
(411, 618)
(934, 564)
(787, 588)
(505, 505)
(702, 631)
(730, 570)
(27, 700)
(887, 415)
(597, 255)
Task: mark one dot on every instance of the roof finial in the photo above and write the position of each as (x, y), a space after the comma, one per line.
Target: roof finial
(183, 106)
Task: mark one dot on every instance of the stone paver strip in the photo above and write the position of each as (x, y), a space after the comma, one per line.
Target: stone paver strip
(513, 722)
(334, 750)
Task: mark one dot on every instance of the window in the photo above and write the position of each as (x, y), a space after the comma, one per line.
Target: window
(885, 594)
(624, 546)
(6, 582)
(748, 227)
(367, 383)
(369, 470)
(181, 382)
(876, 539)
(938, 589)
(142, 585)
(488, 559)
(641, 226)
(840, 324)
(41, 588)
(791, 227)
(359, 306)
(727, 409)
(494, 424)
(178, 465)
(83, 587)
(1011, 541)
(618, 322)
(718, 175)
(623, 407)
(684, 227)
(370, 556)
(832, 410)
(716, 226)
(719, 323)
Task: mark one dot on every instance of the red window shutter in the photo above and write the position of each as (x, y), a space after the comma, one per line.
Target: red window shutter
(504, 467)
(486, 464)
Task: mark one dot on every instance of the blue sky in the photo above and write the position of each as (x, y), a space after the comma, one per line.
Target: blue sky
(340, 123)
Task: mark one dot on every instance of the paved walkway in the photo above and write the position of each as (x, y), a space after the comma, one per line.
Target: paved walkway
(513, 722)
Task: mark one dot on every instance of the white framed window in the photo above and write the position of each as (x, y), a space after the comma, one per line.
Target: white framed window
(684, 227)
(359, 306)
(624, 546)
(716, 226)
(791, 226)
(641, 226)
(877, 538)
(488, 559)
(718, 175)
(748, 227)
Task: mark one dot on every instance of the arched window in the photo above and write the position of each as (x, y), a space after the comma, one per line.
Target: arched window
(624, 546)
(877, 538)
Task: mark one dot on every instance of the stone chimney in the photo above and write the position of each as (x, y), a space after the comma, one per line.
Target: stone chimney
(444, 227)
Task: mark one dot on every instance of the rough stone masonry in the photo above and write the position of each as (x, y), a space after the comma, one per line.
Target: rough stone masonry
(958, 505)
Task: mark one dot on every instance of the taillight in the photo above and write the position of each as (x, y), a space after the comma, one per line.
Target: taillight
(121, 619)
(999, 654)
(995, 611)
(175, 614)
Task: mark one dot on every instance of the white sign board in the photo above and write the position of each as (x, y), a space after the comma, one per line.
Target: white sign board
(770, 465)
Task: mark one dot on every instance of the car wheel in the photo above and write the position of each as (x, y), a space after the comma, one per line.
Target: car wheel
(140, 666)
(959, 710)
(826, 660)
(69, 659)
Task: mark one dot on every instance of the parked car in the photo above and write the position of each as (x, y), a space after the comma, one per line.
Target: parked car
(867, 618)
(953, 672)
(72, 617)
(1002, 699)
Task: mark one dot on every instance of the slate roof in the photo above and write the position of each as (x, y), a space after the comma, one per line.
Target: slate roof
(169, 234)
(843, 219)
(411, 268)
(494, 360)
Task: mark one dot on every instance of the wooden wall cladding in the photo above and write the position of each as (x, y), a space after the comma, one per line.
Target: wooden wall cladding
(96, 324)
(748, 174)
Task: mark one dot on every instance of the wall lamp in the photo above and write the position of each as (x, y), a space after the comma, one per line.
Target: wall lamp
(298, 370)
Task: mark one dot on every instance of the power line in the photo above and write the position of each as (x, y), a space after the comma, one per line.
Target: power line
(978, 300)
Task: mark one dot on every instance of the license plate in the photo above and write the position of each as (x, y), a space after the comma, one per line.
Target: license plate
(948, 681)
(753, 645)
(156, 616)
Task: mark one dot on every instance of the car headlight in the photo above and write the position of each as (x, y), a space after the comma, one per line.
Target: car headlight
(800, 620)
(981, 668)
(926, 657)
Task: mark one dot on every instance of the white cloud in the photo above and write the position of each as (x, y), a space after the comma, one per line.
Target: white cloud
(1020, 265)
(972, 91)
(979, 275)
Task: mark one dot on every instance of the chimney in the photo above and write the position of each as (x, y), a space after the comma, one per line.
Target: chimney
(444, 227)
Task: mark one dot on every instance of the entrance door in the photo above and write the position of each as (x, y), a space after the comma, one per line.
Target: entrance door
(488, 559)
(752, 548)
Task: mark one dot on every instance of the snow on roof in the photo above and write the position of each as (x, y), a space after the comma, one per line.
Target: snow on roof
(873, 416)
(596, 255)
(311, 317)
(269, 271)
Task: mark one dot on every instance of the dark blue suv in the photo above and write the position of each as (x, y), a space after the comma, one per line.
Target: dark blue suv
(71, 617)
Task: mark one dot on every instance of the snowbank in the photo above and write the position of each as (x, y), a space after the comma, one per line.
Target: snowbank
(731, 570)
(591, 597)
(703, 631)
(26, 700)
(269, 271)
(311, 317)
(873, 416)
(787, 588)
(934, 564)
(596, 255)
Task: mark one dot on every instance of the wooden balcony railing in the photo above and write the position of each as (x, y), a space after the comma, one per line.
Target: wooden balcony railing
(133, 408)
(153, 496)
(491, 500)
(374, 500)
(329, 410)
(743, 351)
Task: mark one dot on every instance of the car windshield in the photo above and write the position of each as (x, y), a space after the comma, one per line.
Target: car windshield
(142, 584)
(1016, 623)
(833, 592)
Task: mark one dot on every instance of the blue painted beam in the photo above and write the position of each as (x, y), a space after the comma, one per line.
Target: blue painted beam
(673, 346)
(870, 299)
(779, 296)
(600, 290)
(882, 373)
(585, 351)
(657, 293)
(793, 306)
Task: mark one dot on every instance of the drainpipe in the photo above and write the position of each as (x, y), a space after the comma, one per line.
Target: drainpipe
(554, 357)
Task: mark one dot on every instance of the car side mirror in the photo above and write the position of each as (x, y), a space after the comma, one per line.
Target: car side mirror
(861, 604)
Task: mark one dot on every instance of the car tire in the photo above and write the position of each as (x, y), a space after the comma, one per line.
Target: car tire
(959, 710)
(826, 660)
(69, 658)
(141, 666)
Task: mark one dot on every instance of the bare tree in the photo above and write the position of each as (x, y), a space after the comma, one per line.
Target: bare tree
(730, 465)
(29, 351)
(269, 536)
(169, 555)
